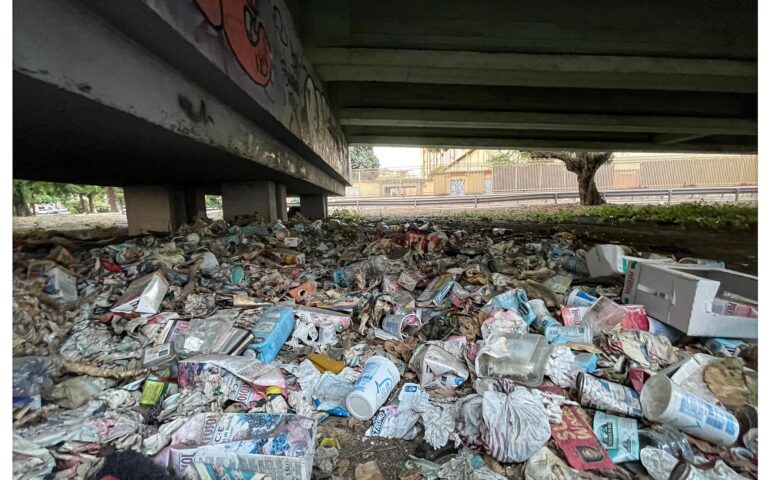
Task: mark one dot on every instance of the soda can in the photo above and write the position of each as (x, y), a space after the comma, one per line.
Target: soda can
(601, 394)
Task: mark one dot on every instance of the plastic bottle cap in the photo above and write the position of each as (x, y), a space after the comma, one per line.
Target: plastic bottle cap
(273, 390)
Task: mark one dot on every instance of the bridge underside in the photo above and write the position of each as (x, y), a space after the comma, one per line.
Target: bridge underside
(597, 75)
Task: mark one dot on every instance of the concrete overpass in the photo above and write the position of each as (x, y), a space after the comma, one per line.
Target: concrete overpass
(256, 99)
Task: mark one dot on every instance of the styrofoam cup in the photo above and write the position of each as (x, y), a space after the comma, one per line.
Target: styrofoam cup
(378, 379)
(579, 298)
(666, 402)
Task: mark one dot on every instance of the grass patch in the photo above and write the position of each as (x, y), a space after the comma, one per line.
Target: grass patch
(713, 217)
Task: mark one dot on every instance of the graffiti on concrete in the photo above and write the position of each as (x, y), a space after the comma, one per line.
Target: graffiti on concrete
(245, 34)
(255, 44)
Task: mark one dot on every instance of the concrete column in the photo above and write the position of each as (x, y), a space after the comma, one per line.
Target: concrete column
(313, 207)
(154, 208)
(195, 204)
(249, 198)
(280, 201)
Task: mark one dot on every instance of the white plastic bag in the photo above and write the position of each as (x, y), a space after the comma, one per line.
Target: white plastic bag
(514, 426)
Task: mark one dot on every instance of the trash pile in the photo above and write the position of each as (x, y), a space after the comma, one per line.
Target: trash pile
(220, 351)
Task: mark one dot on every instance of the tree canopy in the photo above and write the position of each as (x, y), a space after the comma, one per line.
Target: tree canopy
(363, 157)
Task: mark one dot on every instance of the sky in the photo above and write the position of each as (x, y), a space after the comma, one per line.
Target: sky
(398, 156)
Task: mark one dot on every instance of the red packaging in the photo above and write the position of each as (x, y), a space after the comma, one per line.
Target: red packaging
(636, 318)
(575, 438)
(573, 316)
(638, 377)
(109, 266)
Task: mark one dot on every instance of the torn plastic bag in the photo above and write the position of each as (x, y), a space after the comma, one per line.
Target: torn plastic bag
(439, 422)
(514, 425)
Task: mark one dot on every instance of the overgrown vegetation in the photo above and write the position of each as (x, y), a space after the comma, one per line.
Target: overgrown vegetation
(363, 157)
(345, 214)
(715, 217)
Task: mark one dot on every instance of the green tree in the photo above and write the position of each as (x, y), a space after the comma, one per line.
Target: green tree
(363, 157)
(584, 165)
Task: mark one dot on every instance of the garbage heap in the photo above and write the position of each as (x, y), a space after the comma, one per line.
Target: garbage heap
(218, 352)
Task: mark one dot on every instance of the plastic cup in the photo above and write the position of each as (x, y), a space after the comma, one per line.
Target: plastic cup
(579, 298)
(666, 402)
(372, 388)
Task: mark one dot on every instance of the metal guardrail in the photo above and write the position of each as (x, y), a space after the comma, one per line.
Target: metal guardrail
(476, 200)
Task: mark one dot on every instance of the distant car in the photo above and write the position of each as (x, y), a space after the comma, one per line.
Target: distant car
(51, 210)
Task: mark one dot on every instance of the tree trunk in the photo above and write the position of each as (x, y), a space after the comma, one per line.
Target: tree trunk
(589, 194)
(82, 203)
(91, 203)
(112, 197)
(20, 206)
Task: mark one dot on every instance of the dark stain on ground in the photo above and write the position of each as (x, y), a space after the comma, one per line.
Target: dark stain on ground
(84, 87)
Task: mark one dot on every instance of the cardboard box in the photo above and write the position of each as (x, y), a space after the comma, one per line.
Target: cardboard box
(681, 296)
(144, 295)
(605, 260)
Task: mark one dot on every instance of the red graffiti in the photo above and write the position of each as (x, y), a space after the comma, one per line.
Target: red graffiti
(244, 33)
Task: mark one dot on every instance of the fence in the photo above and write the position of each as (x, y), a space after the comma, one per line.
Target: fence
(480, 178)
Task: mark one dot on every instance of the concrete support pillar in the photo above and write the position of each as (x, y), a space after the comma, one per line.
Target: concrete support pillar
(195, 204)
(313, 207)
(154, 208)
(280, 202)
(250, 198)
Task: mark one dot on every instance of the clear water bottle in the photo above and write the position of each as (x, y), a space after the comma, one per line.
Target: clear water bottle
(372, 268)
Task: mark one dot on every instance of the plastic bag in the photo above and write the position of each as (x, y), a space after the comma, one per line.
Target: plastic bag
(514, 426)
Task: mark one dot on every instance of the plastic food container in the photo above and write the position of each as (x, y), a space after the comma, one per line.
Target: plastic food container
(521, 358)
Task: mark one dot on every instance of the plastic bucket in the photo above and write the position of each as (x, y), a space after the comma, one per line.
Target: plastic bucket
(579, 298)
(372, 388)
(666, 402)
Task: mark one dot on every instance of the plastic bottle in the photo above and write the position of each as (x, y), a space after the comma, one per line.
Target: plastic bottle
(573, 264)
(372, 268)
(270, 333)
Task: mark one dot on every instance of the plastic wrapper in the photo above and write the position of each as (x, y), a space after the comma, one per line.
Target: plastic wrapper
(514, 425)
(77, 391)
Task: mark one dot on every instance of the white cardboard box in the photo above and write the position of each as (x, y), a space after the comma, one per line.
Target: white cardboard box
(681, 296)
(605, 260)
